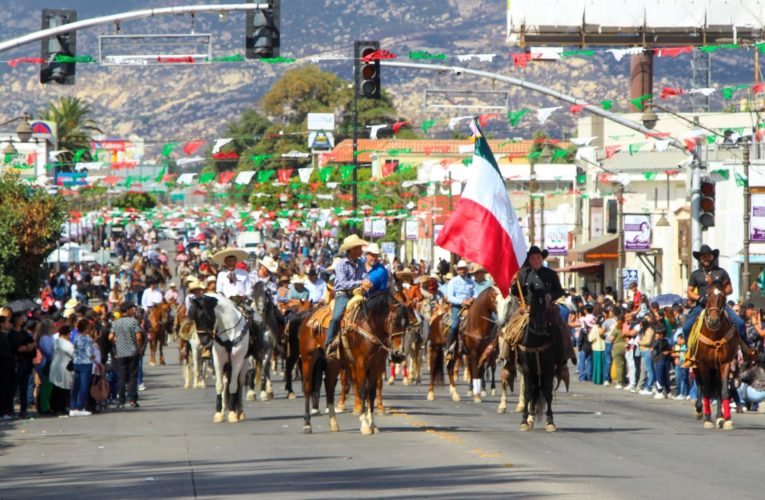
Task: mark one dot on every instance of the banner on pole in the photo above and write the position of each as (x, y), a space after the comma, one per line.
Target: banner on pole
(637, 232)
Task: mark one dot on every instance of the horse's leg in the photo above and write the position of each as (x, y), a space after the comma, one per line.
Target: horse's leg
(365, 388)
(374, 384)
(706, 401)
(475, 375)
(358, 404)
(547, 390)
(269, 385)
(330, 380)
(504, 374)
(161, 349)
(723, 405)
(527, 422)
(308, 366)
(218, 417)
(452, 386)
(378, 391)
(292, 358)
(241, 387)
(521, 393)
(343, 375)
(236, 359)
(392, 378)
(153, 348)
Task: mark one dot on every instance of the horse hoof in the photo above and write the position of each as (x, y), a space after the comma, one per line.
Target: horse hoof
(720, 422)
(218, 418)
(375, 430)
(366, 430)
(477, 399)
(519, 408)
(291, 395)
(307, 429)
(431, 396)
(391, 381)
(232, 418)
(456, 396)
(263, 396)
(241, 416)
(502, 409)
(698, 415)
(550, 427)
(484, 394)
(314, 411)
(161, 361)
(186, 385)
(493, 392)
(708, 424)
(339, 409)
(406, 381)
(269, 396)
(356, 412)
(524, 427)
(530, 423)
(333, 427)
(151, 363)
(380, 412)
(728, 425)
(469, 394)
(250, 396)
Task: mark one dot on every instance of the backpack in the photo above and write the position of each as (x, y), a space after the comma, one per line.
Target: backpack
(583, 342)
(99, 387)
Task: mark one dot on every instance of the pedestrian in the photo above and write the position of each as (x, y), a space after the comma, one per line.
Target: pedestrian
(662, 360)
(586, 323)
(61, 371)
(630, 332)
(608, 328)
(679, 351)
(44, 338)
(619, 349)
(645, 341)
(597, 341)
(25, 349)
(7, 360)
(82, 360)
(752, 388)
(127, 339)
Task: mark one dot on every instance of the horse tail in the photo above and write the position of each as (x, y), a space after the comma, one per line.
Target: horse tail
(437, 368)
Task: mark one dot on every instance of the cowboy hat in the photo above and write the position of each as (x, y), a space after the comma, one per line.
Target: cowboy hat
(220, 257)
(352, 241)
(478, 268)
(269, 263)
(211, 279)
(71, 303)
(536, 250)
(373, 249)
(195, 285)
(406, 272)
(461, 264)
(297, 280)
(706, 249)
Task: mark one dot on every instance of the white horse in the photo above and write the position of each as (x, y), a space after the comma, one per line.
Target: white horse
(216, 315)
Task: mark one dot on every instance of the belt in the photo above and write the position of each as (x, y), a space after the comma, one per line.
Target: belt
(342, 292)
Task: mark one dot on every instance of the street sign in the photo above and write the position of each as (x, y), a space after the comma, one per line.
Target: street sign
(629, 276)
(321, 121)
(323, 141)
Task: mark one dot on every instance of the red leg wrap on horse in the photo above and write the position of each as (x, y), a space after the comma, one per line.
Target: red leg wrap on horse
(726, 409)
(406, 372)
(707, 407)
(392, 371)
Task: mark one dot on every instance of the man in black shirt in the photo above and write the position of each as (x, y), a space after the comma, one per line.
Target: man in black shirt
(24, 347)
(697, 291)
(534, 277)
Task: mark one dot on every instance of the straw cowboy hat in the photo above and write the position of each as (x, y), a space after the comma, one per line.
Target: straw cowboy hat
(195, 285)
(220, 257)
(461, 264)
(269, 263)
(478, 268)
(297, 280)
(373, 249)
(405, 273)
(352, 241)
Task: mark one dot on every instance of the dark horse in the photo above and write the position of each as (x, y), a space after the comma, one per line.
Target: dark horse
(717, 345)
(539, 352)
(290, 341)
(269, 324)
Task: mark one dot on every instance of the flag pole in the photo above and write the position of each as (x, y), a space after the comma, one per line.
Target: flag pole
(520, 290)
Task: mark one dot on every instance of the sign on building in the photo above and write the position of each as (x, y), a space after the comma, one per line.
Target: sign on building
(629, 276)
(758, 218)
(637, 232)
(410, 229)
(556, 239)
(321, 121)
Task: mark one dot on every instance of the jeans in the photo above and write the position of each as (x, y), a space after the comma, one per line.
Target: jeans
(128, 378)
(585, 365)
(750, 394)
(693, 315)
(629, 358)
(734, 318)
(21, 384)
(647, 377)
(341, 300)
(140, 370)
(661, 369)
(607, 363)
(681, 379)
(80, 386)
(452, 336)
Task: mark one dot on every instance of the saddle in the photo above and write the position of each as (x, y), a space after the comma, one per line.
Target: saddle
(447, 318)
(319, 321)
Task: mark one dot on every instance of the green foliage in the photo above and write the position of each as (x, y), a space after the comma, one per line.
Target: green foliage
(137, 200)
(74, 126)
(30, 222)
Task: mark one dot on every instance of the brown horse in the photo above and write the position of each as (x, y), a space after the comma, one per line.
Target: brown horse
(479, 336)
(436, 358)
(717, 345)
(159, 318)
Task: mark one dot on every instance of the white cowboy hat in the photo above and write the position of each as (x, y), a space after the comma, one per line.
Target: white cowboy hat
(71, 303)
(334, 264)
(211, 279)
(373, 249)
(269, 263)
(297, 279)
(478, 268)
(220, 257)
(195, 285)
(460, 264)
(352, 241)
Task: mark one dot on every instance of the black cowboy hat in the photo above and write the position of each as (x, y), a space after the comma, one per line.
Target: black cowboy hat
(536, 250)
(706, 249)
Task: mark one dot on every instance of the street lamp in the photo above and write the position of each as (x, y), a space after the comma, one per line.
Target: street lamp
(23, 133)
(663, 222)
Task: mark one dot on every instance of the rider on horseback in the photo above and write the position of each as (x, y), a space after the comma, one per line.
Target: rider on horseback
(232, 281)
(459, 293)
(534, 277)
(697, 292)
(350, 274)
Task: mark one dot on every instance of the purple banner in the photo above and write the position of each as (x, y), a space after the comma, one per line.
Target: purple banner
(637, 232)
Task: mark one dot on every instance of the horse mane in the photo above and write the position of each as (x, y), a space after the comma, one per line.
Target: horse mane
(377, 304)
(479, 310)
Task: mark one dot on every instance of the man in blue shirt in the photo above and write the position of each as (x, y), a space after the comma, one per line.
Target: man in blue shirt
(459, 293)
(350, 273)
(481, 280)
(378, 275)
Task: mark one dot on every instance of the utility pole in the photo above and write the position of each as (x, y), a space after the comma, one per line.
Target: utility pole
(620, 232)
(746, 277)
(532, 190)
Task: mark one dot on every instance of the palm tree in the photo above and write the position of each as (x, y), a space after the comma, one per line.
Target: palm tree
(74, 127)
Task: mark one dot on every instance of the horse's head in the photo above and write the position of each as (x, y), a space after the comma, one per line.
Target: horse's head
(539, 315)
(715, 304)
(202, 312)
(260, 297)
(505, 307)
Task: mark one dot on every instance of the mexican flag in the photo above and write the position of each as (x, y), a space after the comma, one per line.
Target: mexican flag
(483, 227)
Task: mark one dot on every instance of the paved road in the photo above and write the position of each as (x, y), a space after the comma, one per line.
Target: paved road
(610, 445)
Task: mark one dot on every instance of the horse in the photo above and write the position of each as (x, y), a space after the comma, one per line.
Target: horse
(718, 343)
(403, 326)
(479, 335)
(436, 358)
(190, 346)
(159, 317)
(539, 352)
(296, 315)
(263, 345)
(218, 316)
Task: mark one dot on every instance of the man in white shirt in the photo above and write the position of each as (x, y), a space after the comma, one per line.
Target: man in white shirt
(316, 286)
(151, 297)
(232, 282)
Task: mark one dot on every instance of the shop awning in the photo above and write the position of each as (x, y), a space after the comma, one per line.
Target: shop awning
(597, 250)
(583, 268)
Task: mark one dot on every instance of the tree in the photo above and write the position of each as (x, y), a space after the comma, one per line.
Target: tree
(137, 200)
(30, 221)
(74, 126)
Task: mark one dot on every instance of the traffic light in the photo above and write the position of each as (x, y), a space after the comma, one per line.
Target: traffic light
(707, 212)
(366, 74)
(59, 45)
(262, 31)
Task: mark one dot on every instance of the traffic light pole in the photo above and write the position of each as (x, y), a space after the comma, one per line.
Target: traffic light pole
(355, 150)
(746, 277)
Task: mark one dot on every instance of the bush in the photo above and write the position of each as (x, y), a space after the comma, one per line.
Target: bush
(137, 200)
